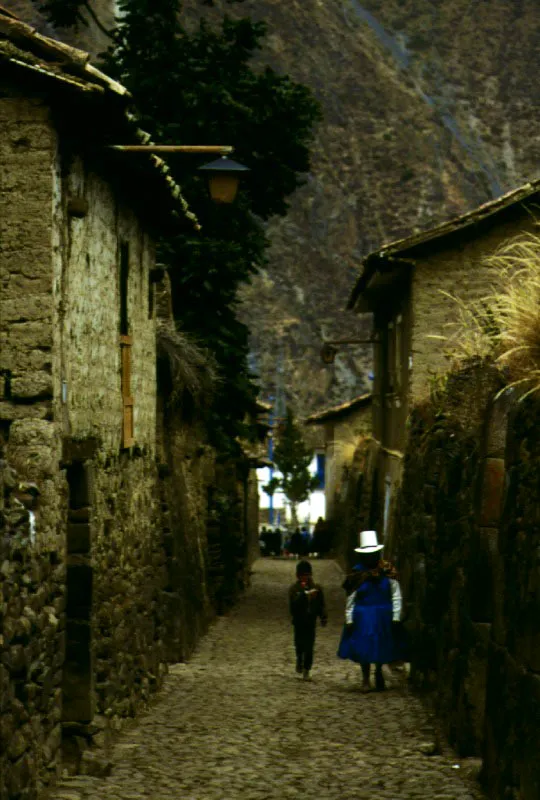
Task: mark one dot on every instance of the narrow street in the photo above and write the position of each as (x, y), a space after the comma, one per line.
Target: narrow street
(237, 722)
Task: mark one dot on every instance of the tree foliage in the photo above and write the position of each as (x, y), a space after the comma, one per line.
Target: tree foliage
(292, 458)
(201, 87)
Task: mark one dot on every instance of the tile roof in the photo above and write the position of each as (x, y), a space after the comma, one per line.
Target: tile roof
(338, 411)
(400, 249)
(66, 67)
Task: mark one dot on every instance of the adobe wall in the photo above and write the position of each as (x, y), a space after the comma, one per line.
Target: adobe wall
(357, 508)
(467, 536)
(97, 543)
(457, 272)
(186, 467)
(116, 561)
(342, 437)
(87, 310)
(27, 153)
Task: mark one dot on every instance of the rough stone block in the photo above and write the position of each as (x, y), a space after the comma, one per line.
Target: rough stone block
(79, 537)
(504, 710)
(497, 427)
(26, 308)
(30, 335)
(33, 385)
(32, 433)
(19, 742)
(21, 775)
(481, 583)
(492, 492)
(529, 764)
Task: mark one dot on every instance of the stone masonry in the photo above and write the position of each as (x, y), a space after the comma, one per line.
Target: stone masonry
(32, 642)
(467, 537)
(85, 593)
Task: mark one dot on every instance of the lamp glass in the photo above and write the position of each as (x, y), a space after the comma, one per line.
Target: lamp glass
(223, 187)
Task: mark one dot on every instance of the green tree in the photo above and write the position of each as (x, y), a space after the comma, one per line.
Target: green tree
(272, 486)
(292, 458)
(200, 87)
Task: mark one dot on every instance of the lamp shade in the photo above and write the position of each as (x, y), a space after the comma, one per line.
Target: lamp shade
(223, 178)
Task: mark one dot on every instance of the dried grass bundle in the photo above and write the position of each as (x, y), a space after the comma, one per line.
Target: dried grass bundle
(516, 309)
(471, 335)
(505, 324)
(192, 369)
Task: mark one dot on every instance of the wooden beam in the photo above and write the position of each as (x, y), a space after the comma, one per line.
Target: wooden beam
(172, 148)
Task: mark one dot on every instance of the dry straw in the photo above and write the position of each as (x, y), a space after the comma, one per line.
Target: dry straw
(505, 324)
(193, 369)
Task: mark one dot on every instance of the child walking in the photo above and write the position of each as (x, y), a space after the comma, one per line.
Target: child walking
(306, 603)
(372, 632)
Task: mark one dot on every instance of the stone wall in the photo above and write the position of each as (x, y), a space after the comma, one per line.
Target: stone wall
(98, 514)
(458, 272)
(466, 541)
(357, 508)
(342, 435)
(27, 153)
(186, 468)
(32, 647)
(88, 251)
(113, 579)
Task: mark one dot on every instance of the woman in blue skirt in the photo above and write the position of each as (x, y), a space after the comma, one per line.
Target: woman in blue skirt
(372, 632)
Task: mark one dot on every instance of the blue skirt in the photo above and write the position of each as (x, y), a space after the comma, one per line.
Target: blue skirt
(371, 641)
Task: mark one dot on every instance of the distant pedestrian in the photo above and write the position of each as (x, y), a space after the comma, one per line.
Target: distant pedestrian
(296, 543)
(321, 540)
(263, 541)
(372, 632)
(306, 541)
(306, 603)
(277, 543)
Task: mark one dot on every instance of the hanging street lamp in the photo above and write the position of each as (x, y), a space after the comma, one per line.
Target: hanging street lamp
(223, 173)
(223, 178)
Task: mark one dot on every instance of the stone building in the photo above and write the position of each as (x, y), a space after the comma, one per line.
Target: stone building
(344, 426)
(413, 288)
(85, 576)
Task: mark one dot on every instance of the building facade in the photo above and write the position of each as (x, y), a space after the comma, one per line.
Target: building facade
(344, 426)
(414, 288)
(85, 578)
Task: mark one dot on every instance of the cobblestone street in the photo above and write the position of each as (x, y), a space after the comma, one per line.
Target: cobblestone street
(237, 722)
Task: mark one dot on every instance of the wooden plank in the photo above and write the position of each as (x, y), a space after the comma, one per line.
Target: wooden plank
(126, 371)
(173, 148)
(128, 439)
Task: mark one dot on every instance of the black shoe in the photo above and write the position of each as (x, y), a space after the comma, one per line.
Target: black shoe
(379, 682)
(299, 667)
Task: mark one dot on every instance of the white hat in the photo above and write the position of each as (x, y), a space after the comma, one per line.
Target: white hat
(368, 543)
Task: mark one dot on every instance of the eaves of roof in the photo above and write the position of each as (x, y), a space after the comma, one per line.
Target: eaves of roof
(68, 68)
(338, 411)
(400, 253)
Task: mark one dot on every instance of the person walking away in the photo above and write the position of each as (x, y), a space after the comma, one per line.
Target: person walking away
(306, 603)
(372, 632)
(306, 541)
(296, 543)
